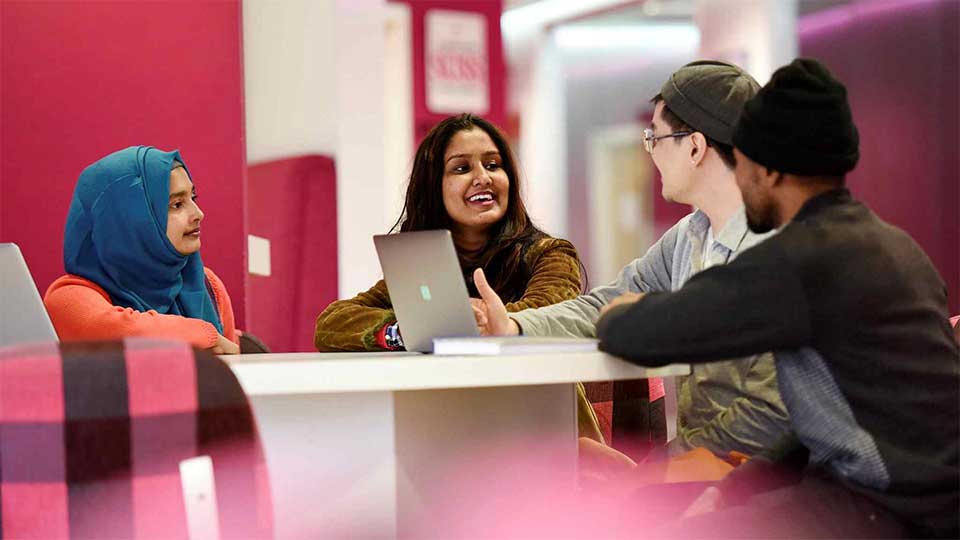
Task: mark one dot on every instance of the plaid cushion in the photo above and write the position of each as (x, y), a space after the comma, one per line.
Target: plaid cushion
(92, 436)
(631, 414)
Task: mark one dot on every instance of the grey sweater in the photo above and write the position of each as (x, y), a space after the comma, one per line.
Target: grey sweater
(723, 406)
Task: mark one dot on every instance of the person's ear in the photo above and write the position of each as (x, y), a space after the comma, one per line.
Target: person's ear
(772, 178)
(698, 148)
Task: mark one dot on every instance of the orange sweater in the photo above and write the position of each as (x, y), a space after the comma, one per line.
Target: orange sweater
(81, 310)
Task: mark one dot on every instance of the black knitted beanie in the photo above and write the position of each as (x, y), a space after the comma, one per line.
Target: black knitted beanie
(800, 123)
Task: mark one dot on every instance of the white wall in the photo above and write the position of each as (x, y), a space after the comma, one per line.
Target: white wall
(758, 35)
(288, 58)
(398, 101)
(535, 91)
(543, 138)
(316, 82)
(363, 184)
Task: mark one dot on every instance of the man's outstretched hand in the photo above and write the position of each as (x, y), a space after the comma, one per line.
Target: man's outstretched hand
(625, 298)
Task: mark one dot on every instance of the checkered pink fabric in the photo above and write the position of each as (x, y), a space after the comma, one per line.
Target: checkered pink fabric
(92, 435)
(631, 414)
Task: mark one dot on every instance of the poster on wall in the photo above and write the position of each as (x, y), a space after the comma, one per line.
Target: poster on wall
(457, 67)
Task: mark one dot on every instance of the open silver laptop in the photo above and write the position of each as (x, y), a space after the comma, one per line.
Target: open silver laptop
(23, 319)
(426, 287)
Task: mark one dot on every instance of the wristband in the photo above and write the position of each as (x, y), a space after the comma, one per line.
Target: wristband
(392, 337)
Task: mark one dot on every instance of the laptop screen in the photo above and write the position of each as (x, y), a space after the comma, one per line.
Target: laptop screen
(23, 319)
(426, 287)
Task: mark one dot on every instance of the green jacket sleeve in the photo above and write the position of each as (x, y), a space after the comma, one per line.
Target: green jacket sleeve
(352, 324)
(555, 276)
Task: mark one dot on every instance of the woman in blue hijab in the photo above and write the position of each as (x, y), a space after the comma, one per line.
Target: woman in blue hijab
(132, 254)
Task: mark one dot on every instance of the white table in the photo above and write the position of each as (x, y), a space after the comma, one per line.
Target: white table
(356, 443)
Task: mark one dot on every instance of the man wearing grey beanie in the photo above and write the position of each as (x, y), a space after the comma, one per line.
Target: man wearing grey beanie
(857, 317)
(729, 406)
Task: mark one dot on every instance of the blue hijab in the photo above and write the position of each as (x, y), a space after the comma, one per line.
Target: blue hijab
(116, 236)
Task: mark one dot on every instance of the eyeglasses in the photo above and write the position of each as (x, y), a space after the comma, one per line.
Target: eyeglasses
(650, 140)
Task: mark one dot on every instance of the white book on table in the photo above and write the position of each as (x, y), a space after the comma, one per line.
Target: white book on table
(511, 345)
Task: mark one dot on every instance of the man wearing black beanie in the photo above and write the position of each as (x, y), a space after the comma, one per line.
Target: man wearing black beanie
(857, 317)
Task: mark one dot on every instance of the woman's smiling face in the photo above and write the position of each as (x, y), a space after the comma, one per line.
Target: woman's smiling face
(476, 188)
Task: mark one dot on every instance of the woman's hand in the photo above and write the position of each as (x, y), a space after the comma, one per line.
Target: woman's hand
(491, 309)
(225, 346)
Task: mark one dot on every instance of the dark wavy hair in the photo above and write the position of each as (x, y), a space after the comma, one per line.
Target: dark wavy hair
(502, 257)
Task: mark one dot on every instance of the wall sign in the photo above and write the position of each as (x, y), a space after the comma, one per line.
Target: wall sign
(457, 66)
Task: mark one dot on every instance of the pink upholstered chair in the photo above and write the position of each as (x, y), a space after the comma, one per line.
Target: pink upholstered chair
(296, 211)
(96, 439)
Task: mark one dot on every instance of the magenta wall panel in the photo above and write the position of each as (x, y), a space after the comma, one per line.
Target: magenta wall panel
(899, 60)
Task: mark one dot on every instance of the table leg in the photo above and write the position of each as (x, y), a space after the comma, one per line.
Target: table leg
(402, 464)
(450, 442)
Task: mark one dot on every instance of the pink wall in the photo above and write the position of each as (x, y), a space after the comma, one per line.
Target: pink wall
(899, 60)
(82, 79)
(296, 209)
(423, 118)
